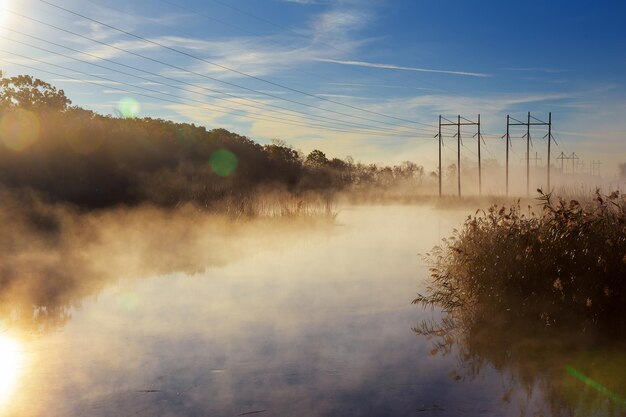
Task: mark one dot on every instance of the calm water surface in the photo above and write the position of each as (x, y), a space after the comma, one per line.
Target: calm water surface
(317, 324)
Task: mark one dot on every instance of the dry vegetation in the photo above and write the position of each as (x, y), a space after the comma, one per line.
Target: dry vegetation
(565, 264)
(539, 296)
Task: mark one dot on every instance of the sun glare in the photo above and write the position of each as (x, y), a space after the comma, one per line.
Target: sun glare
(3, 10)
(11, 358)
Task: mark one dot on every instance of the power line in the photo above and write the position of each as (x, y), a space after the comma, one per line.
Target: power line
(488, 151)
(560, 143)
(211, 18)
(528, 124)
(192, 72)
(358, 125)
(458, 125)
(203, 106)
(157, 98)
(469, 150)
(283, 28)
(595, 165)
(487, 135)
(227, 68)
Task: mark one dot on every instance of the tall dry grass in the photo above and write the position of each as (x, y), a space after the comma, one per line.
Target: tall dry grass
(540, 297)
(565, 263)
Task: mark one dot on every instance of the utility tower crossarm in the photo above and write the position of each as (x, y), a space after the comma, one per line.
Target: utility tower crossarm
(458, 124)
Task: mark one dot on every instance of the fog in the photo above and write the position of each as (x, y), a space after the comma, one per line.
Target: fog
(148, 311)
(158, 268)
(563, 182)
(55, 255)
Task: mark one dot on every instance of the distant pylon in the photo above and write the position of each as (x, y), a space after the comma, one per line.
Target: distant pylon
(458, 125)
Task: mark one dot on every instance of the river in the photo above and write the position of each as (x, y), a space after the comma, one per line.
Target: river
(317, 323)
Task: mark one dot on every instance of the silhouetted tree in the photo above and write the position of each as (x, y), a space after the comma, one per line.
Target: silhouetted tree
(317, 158)
(284, 161)
(77, 156)
(26, 92)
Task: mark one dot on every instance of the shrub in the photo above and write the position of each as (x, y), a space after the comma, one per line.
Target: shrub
(564, 266)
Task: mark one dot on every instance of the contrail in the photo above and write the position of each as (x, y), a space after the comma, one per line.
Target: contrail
(397, 67)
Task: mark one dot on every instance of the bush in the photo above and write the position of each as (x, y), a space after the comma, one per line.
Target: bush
(541, 299)
(565, 266)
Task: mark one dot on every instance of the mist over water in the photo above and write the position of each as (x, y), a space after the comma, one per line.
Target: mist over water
(195, 316)
(564, 182)
(246, 233)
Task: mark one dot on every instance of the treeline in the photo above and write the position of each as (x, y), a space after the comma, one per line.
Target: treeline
(74, 155)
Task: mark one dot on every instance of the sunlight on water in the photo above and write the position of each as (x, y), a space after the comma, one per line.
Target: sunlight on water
(11, 361)
(241, 317)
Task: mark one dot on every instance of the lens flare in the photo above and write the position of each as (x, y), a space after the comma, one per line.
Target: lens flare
(11, 361)
(19, 129)
(223, 162)
(128, 107)
(596, 385)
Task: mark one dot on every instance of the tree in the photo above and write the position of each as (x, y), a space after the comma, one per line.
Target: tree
(317, 158)
(337, 164)
(284, 162)
(26, 92)
(280, 152)
(408, 171)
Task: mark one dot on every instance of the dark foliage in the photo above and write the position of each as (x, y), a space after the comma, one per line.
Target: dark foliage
(92, 161)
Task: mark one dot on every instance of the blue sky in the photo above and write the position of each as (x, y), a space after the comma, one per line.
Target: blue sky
(376, 74)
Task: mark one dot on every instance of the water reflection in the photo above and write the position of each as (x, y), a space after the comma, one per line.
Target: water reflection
(295, 323)
(54, 258)
(576, 373)
(307, 324)
(55, 261)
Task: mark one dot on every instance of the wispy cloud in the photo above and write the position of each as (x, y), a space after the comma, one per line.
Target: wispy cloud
(368, 85)
(253, 56)
(398, 67)
(340, 21)
(79, 81)
(534, 69)
(127, 18)
(494, 104)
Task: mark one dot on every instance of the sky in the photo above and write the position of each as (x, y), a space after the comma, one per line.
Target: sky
(360, 78)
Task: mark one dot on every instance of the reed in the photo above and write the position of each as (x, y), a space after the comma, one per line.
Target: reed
(563, 265)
